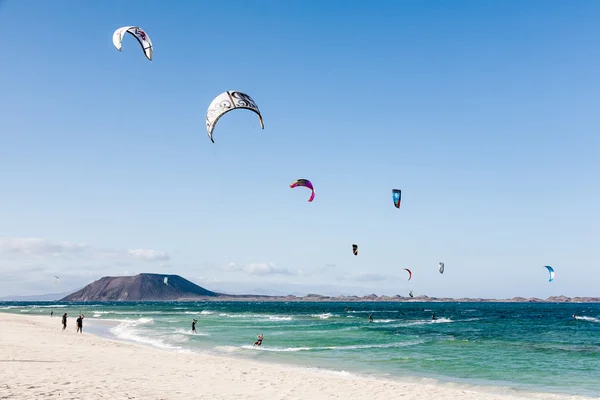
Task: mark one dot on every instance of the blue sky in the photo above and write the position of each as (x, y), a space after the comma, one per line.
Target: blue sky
(484, 113)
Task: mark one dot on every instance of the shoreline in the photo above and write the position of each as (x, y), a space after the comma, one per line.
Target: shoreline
(118, 368)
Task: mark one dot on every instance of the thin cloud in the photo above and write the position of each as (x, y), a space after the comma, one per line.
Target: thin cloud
(258, 269)
(147, 254)
(40, 248)
(362, 277)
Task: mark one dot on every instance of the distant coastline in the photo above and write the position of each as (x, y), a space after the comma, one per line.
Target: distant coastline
(397, 298)
(160, 287)
(333, 299)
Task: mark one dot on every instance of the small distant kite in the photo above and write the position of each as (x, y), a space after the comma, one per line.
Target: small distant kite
(551, 272)
(441, 267)
(410, 293)
(355, 249)
(305, 183)
(409, 273)
(225, 102)
(166, 280)
(57, 280)
(396, 196)
(137, 32)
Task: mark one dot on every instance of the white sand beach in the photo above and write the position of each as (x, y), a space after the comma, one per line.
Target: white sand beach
(39, 360)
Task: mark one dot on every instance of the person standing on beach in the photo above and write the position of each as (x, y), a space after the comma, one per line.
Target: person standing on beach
(51, 313)
(64, 321)
(194, 325)
(80, 324)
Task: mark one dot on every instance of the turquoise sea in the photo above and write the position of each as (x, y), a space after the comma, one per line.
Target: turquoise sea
(535, 347)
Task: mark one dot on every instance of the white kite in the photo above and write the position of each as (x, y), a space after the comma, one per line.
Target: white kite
(137, 32)
(225, 102)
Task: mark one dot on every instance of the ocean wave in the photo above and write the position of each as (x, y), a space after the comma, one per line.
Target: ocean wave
(50, 306)
(428, 321)
(179, 338)
(371, 312)
(126, 330)
(274, 318)
(322, 315)
(231, 349)
(189, 332)
(589, 319)
(589, 348)
(330, 371)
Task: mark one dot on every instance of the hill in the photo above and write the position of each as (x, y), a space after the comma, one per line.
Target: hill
(141, 287)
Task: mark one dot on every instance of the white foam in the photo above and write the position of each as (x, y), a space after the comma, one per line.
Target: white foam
(227, 349)
(127, 330)
(230, 349)
(280, 318)
(189, 332)
(330, 371)
(428, 321)
(589, 319)
(323, 315)
(51, 306)
(179, 338)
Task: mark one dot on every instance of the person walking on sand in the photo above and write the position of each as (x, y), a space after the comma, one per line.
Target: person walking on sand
(194, 325)
(51, 313)
(64, 321)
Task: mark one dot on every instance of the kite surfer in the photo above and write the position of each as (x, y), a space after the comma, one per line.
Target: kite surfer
(258, 340)
(194, 325)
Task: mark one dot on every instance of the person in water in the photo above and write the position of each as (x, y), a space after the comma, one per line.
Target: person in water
(371, 318)
(433, 317)
(258, 340)
(64, 321)
(52, 313)
(194, 325)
